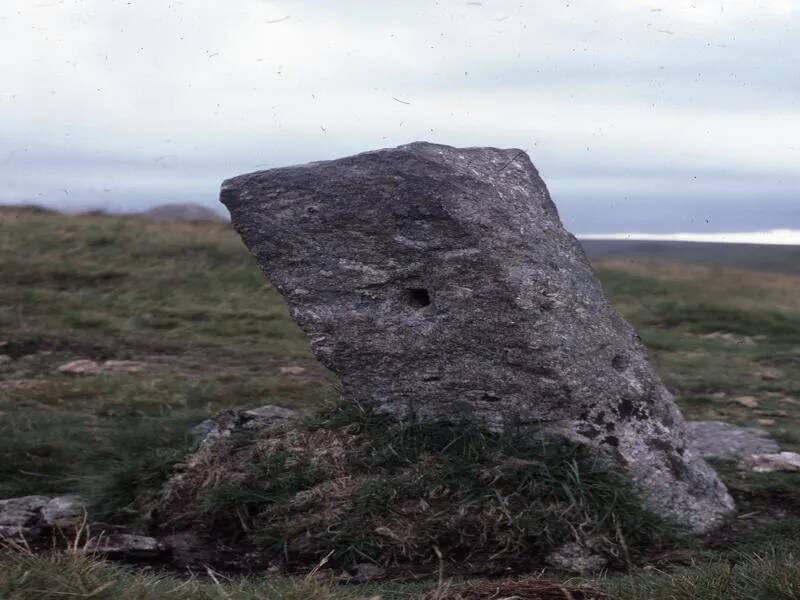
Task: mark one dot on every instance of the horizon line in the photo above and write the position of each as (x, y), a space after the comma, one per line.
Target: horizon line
(773, 237)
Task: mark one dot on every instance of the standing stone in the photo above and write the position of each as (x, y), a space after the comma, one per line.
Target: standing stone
(439, 284)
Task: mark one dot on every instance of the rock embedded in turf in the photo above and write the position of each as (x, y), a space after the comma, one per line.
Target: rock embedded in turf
(226, 421)
(715, 439)
(29, 517)
(767, 463)
(20, 518)
(439, 284)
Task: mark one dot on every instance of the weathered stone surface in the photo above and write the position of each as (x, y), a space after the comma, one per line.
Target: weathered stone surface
(715, 439)
(64, 512)
(766, 463)
(439, 284)
(30, 517)
(21, 517)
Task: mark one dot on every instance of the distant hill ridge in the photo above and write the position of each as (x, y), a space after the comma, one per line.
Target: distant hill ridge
(182, 212)
(772, 258)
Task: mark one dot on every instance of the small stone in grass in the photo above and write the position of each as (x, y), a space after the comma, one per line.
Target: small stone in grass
(767, 463)
(292, 370)
(746, 401)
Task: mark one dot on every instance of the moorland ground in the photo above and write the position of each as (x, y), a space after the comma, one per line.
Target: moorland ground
(188, 301)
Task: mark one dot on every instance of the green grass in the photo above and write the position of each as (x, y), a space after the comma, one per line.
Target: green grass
(772, 574)
(72, 574)
(188, 300)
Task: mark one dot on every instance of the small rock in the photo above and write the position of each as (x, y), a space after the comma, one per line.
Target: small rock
(766, 422)
(64, 512)
(21, 517)
(363, 572)
(80, 367)
(91, 367)
(769, 374)
(766, 463)
(125, 544)
(271, 412)
(715, 439)
(224, 422)
(5, 358)
(746, 401)
(575, 558)
(292, 370)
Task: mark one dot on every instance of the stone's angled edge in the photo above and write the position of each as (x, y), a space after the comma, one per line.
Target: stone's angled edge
(439, 284)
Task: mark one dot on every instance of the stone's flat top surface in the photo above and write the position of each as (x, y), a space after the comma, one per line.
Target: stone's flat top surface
(439, 284)
(715, 439)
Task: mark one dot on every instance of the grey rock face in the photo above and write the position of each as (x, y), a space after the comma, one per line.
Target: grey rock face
(21, 517)
(29, 517)
(64, 512)
(715, 439)
(439, 284)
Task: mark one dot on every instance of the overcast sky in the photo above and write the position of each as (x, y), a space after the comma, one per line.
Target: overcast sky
(641, 115)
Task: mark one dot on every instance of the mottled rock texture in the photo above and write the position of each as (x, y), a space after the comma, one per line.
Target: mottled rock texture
(439, 284)
(715, 439)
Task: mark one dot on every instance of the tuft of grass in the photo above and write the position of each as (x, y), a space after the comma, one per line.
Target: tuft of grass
(773, 574)
(74, 574)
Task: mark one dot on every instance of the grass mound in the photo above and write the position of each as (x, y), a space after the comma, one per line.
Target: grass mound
(355, 488)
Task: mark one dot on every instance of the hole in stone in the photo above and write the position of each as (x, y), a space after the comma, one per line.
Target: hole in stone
(620, 362)
(417, 297)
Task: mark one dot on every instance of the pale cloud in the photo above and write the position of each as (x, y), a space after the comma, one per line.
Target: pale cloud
(778, 237)
(127, 103)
